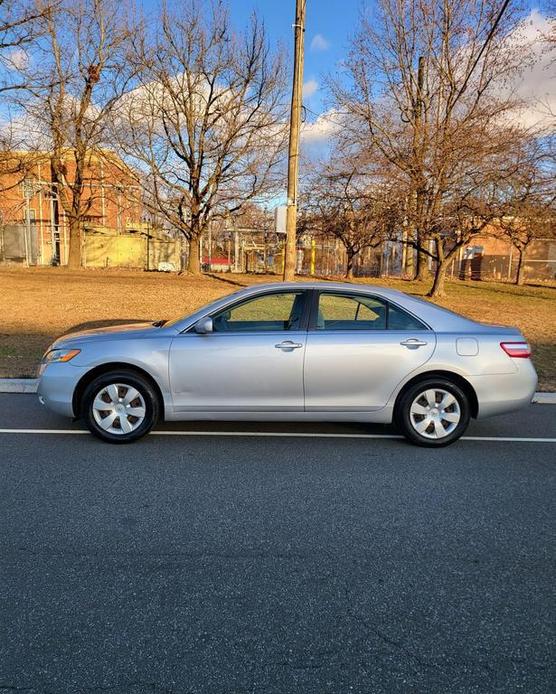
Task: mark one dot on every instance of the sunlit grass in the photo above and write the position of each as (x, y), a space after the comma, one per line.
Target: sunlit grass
(39, 304)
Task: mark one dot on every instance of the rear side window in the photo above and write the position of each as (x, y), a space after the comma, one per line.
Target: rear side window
(353, 312)
(398, 319)
(343, 312)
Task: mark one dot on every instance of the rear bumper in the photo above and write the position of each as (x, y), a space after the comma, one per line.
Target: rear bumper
(56, 386)
(505, 393)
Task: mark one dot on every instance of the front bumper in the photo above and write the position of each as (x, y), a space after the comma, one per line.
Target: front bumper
(57, 382)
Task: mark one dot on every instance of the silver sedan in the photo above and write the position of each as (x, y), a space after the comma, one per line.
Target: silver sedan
(297, 351)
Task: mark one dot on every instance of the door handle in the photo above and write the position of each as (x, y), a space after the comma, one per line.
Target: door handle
(288, 345)
(413, 343)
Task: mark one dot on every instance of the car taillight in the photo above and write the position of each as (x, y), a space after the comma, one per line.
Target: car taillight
(516, 350)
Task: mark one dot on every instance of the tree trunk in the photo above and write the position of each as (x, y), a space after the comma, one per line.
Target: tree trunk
(74, 251)
(194, 257)
(437, 290)
(349, 264)
(423, 273)
(520, 275)
(409, 265)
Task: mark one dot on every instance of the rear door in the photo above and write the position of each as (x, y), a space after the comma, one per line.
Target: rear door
(359, 348)
(253, 361)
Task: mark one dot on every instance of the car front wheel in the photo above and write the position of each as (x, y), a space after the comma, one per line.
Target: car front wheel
(120, 407)
(434, 413)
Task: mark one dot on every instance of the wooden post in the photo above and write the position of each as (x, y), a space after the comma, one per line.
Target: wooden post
(290, 260)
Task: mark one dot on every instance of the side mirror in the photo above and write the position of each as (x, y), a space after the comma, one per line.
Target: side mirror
(204, 326)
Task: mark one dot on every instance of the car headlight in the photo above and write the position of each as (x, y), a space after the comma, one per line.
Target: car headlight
(60, 355)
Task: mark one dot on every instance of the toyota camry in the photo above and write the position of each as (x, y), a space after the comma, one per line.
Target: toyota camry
(308, 351)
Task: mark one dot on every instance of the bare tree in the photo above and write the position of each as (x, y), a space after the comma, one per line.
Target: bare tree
(20, 25)
(530, 223)
(345, 206)
(550, 35)
(207, 122)
(19, 28)
(476, 198)
(529, 211)
(81, 71)
(429, 94)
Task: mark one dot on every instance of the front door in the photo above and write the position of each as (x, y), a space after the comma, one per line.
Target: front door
(251, 362)
(358, 350)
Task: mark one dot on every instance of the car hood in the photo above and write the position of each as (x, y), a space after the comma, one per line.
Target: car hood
(127, 331)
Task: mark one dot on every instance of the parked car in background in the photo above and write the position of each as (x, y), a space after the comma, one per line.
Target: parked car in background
(293, 351)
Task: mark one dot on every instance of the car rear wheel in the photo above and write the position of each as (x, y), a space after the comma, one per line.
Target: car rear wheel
(120, 407)
(433, 413)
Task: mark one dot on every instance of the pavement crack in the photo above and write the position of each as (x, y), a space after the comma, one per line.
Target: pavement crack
(15, 688)
(145, 688)
(153, 687)
(158, 556)
(375, 631)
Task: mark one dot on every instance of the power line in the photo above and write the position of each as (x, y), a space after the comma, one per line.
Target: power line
(483, 48)
(463, 87)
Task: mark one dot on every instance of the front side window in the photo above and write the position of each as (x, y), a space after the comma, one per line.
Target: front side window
(273, 312)
(346, 312)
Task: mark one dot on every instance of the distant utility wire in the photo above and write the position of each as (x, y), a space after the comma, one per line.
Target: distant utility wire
(330, 120)
(483, 48)
(463, 86)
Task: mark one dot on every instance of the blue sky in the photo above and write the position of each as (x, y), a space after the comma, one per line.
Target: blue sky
(329, 25)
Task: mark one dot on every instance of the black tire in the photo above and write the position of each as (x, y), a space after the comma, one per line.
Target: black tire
(404, 418)
(128, 379)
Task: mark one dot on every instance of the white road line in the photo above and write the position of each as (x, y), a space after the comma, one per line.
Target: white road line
(518, 439)
(285, 434)
(43, 431)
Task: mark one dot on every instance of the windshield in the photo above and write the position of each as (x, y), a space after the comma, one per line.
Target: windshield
(205, 308)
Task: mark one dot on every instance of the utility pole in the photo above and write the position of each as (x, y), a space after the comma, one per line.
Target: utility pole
(290, 259)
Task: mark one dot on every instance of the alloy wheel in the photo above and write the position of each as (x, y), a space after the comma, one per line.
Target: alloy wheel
(435, 413)
(119, 408)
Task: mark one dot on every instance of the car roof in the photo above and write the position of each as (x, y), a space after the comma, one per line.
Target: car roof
(438, 318)
(322, 284)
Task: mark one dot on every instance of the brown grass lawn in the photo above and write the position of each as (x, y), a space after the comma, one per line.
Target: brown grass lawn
(39, 304)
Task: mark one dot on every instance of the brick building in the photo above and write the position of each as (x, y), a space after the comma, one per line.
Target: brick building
(33, 226)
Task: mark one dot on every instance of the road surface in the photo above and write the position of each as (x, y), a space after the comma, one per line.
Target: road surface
(211, 563)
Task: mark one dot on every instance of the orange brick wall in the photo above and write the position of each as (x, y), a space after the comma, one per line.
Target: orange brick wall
(111, 190)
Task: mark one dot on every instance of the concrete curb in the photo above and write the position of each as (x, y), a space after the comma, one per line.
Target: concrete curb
(545, 398)
(29, 385)
(18, 385)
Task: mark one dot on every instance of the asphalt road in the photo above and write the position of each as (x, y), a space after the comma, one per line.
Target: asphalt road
(279, 564)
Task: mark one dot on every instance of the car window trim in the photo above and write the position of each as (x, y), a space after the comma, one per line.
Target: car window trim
(314, 303)
(303, 323)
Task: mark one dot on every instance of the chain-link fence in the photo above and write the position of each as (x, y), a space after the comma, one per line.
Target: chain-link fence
(252, 251)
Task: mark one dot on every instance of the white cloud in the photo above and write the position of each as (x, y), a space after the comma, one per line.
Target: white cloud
(20, 131)
(319, 43)
(536, 85)
(322, 129)
(18, 59)
(309, 88)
